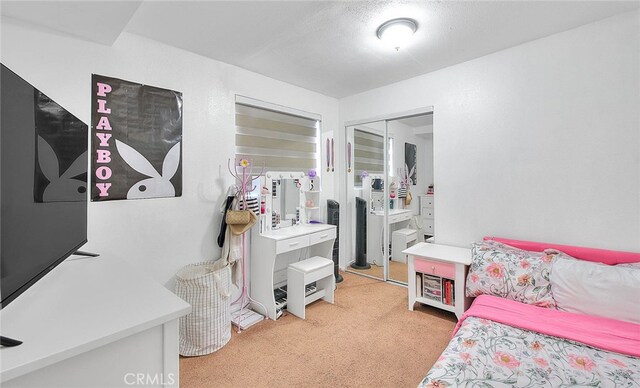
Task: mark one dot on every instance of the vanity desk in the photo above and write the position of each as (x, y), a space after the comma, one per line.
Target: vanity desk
(284, 234)
(398, 218)
(272, 252)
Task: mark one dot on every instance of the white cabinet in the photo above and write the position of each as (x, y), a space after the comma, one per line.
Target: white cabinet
(427, 211)
(93, 322)
(437, 276)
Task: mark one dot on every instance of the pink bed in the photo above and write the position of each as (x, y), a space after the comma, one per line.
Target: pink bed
(500, 342)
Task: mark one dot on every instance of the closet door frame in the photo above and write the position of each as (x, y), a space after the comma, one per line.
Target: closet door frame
(344, 194)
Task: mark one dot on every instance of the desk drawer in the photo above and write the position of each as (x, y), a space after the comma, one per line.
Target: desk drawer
(399, 217)
(438, 268)
(325, 235)
(292, 244)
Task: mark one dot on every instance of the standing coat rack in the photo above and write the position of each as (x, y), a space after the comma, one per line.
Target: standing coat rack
(246, 180)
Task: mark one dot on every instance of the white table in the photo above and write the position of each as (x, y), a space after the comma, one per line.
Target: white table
(443, 262)
(92, 322)
(274, 250)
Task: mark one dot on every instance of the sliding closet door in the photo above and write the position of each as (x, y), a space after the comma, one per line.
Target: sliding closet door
(366, 204)
(390, 169)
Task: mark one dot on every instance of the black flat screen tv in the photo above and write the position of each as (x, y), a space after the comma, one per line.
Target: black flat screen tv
(43, 184)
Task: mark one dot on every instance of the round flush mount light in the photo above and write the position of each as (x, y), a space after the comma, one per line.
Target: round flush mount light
(397, 32)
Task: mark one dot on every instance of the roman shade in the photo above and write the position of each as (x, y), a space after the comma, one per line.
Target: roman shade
(368, 154)
(281, 141)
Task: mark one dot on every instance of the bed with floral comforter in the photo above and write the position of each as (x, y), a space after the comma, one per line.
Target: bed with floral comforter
(487, 353)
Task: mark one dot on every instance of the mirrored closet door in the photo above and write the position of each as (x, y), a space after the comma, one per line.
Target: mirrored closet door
(389, 193)
(365, 193)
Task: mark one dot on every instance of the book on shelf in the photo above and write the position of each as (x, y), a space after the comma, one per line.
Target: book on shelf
(453, 293)
(449, 292)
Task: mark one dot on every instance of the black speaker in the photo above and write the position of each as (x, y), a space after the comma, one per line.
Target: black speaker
(361, 235)
(333, 218)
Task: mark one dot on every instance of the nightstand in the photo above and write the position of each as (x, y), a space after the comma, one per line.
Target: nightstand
(437, 276)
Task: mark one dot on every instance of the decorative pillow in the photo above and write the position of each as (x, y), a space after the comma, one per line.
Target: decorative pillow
(501, 270)
(610, 291)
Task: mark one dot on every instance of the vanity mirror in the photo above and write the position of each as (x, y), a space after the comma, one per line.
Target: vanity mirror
(283, 199)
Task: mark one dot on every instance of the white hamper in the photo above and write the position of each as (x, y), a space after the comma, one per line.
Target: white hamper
(206, 286)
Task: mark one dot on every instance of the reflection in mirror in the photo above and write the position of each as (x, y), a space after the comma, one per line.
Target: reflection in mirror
(412, 157)
(365, 193)
(282, 197)
(286, 202)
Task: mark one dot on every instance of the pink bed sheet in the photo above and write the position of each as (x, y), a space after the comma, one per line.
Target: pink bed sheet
(589, 254)
(603, 333)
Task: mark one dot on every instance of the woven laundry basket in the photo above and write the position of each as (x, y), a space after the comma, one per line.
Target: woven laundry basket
(206, 286)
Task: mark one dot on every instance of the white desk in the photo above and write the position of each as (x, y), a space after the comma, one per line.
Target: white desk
(375, 223)
(274, 250)
(89, 323)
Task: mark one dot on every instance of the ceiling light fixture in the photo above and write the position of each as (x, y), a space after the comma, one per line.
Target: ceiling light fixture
(397, 32)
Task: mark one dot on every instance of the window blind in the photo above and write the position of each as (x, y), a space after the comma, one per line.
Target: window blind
(280, 141)
(368, 154)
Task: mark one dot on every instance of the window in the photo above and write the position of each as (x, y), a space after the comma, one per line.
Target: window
(281, 138)
(368, 154)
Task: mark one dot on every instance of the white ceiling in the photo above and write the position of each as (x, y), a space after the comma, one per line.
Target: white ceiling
(328, 47)
(96, 21)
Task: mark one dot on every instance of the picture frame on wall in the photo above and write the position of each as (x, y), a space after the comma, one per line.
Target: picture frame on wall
(411, 161)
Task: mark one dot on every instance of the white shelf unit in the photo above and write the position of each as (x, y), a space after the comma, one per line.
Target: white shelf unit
(311, 192)
(438, 264)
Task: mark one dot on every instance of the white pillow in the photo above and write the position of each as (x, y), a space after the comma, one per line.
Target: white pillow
(596, 289)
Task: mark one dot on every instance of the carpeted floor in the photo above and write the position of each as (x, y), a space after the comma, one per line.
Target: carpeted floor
(368, 338)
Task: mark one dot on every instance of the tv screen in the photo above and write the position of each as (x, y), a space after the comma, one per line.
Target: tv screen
(43, 184)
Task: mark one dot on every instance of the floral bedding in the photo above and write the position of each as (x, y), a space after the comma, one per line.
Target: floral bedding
(508, 272)
(484, 353)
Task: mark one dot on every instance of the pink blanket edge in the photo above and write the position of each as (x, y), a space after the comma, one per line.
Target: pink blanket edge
(603, 333)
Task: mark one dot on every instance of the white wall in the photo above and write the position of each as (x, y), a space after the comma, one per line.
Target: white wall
(540, 141)
(159, 236)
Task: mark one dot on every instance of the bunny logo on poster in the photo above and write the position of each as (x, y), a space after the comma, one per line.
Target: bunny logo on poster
(158, 185)
(61, 187)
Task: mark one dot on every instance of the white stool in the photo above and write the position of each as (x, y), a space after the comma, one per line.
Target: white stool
(315, 269)
(402, 239)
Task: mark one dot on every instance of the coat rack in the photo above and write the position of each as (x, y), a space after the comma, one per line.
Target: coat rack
(246, 180)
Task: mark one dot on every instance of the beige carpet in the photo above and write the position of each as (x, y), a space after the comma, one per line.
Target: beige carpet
(368, 338)
(397, 271)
